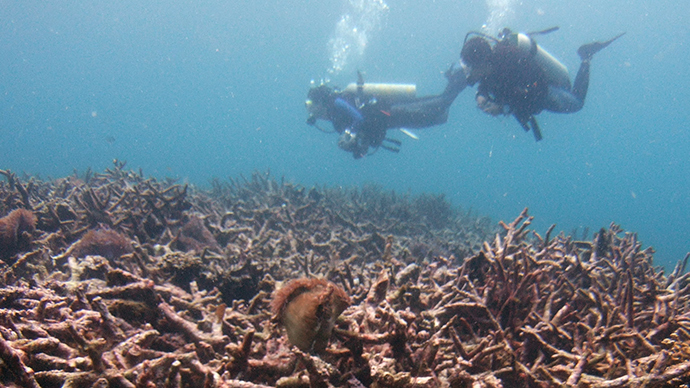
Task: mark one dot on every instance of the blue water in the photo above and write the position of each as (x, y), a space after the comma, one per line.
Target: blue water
(201, 89)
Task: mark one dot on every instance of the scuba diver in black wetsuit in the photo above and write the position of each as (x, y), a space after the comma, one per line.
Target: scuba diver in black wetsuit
(363, 113)
(517, 77)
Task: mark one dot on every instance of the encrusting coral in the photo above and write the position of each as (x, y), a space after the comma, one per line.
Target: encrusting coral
(308, 309)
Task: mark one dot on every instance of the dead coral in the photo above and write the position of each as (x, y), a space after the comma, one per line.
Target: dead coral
(438, 298)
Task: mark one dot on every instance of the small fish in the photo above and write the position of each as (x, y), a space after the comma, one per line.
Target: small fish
(110, 139)
(409, 133)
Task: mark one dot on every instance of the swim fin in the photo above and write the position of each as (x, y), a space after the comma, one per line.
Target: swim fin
(393, 141)
(394, 148)
(586, 51)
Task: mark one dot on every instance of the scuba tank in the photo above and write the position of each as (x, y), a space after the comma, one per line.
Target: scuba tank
(391, 93)
(556, 72)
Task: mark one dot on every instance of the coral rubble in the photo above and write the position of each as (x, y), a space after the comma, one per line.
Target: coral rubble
(117, 280)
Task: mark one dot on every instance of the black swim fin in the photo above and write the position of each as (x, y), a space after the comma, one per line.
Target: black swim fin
(389, 148)
(392, 148)
(586, 51)
(394, 141)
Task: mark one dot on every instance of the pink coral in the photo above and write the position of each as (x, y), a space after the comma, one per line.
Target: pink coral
(103, 242)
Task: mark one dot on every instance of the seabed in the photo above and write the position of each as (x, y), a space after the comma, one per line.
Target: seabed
(117, 280)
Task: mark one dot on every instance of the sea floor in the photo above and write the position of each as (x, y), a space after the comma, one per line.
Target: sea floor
(114, 279)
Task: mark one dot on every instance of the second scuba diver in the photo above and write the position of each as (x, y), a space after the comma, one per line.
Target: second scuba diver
(517, 77)
(363, 113)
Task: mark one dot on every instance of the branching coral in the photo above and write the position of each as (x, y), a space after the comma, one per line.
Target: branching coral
(458, 304)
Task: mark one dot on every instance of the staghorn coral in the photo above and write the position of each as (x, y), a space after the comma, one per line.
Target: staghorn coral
(456, 303)
(15, 232)
(308, 309)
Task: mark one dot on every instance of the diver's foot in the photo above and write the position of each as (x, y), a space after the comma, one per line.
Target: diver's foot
(586, 51)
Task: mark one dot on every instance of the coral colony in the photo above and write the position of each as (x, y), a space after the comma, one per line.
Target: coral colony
(117, 280)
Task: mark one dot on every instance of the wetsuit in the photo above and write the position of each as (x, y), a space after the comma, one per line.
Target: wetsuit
(517, 81)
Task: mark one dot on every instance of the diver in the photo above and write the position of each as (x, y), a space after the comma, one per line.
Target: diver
(362, 113)
(517, 77)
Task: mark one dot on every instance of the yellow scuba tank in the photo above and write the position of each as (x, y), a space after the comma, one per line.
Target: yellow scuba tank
(394, 93)
(556, 72)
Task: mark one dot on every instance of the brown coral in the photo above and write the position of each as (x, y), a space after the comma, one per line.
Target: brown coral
(194, 235)
(15, 232)
(308, 309)
(103, 242)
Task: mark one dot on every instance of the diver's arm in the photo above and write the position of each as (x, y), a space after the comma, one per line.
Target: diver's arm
(349, 110)
(486, 103)
(457, 80)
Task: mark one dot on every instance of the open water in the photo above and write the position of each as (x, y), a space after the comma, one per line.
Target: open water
(196, 89)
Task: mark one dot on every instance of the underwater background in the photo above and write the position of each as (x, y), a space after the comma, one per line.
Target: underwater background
(202, 89)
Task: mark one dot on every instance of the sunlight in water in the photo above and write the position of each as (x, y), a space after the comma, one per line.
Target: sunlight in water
(360, 18)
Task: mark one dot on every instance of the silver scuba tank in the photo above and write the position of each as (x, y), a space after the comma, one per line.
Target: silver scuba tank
(391, 93)
(556, 72)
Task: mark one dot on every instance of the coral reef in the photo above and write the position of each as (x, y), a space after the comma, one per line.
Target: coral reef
(127, 281)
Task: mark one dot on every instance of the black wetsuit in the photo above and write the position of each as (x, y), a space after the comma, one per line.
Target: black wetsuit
(517, 81)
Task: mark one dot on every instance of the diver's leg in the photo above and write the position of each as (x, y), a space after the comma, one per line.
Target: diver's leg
(424, 112)
(581, 83)
(564, 101)
(430, 110)
(560, 100)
